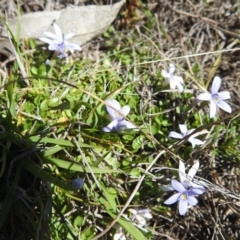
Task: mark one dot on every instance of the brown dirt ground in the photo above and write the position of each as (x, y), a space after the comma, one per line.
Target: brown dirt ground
(205, 27)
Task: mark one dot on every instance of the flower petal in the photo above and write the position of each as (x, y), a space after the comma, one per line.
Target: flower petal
(179, 86)
(204, 96)
(195, 141)
(171, 68)
(182, 206)
(141, 220)
(57, 29)
(178, 186)
(199, 187)
(51, 35)
(213, 109)
(178, 79)
(192, 200)
(182, 173)
(224, 106)
(47, 40)
(69, 35)
(183, 129)
(224, 95)
(166, 74)
(147, 215)
(111, 126)
(172, 83)
(125, 111)
(113, 107)
(193, 170)
(174, 198)
(175, 135)
(196, 190)
(216, 85)
(125, 124)
(73, 46)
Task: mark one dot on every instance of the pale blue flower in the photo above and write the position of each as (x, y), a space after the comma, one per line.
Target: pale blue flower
(184, 132)
(187, 179)
(216, 98)
(174, 81)
(57, 42)
(140, 216)
(184, 197)
(117, 115)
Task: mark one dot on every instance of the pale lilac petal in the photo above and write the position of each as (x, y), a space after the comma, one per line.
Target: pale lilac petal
(175, 135)
(69, 35)
(125, 111)
(205, 96)
(174, 198)
(182, 207)
(73, 46)
(111, 126)
(224, 95)
(213, 109)
(181, 171)
(178, 186)
(216, 85)
(224, 106)
(125, 124)
(197, 189)
(172, 83)
(47, 40)
(140, 220)
(53, 46)
(183, 129)
(147, 215)
(171, 68)
(190, 131)
(192, 200)
(113, 107)
(179, 86)
(51, 35)
(195, 141)
(178, 79)
(166, 74)
(57, 29)
(193, 170)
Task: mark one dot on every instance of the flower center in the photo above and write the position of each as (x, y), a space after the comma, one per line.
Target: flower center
(216, 98)
(119, 116)
(184, 196)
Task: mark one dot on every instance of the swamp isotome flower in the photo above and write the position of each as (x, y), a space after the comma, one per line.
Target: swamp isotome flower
(57, 42)
(184, 197)
(117, 115)
(186, 179)
(174, 81)
(184, 132)
(119, 235)
(216, 98)
(140, 216)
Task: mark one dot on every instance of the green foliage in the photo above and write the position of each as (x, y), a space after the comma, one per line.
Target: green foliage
(53, 134)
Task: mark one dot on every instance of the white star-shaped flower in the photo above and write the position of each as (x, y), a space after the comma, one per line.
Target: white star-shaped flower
(216, 98)
(117, 115)
(174, 81)
(57, 42)
(184, 132)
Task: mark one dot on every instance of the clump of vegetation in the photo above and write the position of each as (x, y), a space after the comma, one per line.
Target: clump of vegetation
(89, 146)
